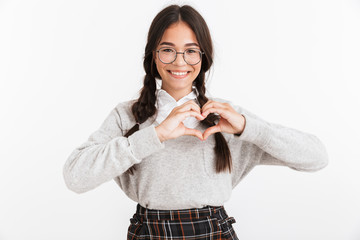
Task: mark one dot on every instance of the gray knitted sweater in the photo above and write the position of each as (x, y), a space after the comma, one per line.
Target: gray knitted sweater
(180, 173)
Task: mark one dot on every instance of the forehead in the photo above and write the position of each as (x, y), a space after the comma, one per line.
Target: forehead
(180, 34)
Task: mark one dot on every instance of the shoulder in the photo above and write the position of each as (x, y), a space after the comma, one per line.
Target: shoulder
(223, 100)
(217, 99)
(123, 112)
(125, 106)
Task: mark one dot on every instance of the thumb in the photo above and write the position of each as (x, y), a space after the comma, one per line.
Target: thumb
(211, 130)
(193, 132)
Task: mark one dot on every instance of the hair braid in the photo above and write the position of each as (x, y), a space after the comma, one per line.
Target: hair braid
(222, 152)
(144, 107)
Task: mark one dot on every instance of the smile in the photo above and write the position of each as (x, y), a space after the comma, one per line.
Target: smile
(179, 74)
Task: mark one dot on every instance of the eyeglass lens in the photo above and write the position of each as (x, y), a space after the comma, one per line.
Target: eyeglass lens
(191, 56)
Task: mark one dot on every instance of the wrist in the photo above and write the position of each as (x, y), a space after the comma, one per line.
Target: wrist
(159, 134)
(243, 126)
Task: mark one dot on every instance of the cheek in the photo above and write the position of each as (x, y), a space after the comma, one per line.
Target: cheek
(161, 69)
(197, 69)
(159, 64)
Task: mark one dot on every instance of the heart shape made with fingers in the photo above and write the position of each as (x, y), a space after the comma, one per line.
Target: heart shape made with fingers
(224, 125)
(230, 121)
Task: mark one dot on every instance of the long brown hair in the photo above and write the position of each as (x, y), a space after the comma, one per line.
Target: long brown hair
(145, 107)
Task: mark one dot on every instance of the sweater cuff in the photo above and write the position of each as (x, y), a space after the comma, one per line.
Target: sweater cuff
(145, 142)
(255, 131)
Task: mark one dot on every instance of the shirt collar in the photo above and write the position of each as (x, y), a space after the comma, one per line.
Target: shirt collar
(165, 103)
(164, 99)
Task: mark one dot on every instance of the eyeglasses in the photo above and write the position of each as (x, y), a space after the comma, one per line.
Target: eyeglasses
(192, 56)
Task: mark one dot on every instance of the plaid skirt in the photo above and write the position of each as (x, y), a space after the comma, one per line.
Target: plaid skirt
(210, 222)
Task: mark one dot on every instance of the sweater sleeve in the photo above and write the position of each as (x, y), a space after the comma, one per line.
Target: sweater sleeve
(281, 145)
(107, 154)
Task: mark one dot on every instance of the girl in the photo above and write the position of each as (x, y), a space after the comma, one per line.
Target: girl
(175, 151)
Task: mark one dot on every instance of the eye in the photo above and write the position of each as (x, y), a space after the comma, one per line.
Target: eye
(192, 50)
(167, 50)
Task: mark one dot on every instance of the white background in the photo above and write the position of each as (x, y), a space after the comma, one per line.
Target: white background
(65, 64)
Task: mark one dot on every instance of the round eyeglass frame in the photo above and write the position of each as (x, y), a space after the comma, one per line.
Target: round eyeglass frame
(183, 53)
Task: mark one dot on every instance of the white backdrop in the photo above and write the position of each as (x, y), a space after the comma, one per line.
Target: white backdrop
(65, 64)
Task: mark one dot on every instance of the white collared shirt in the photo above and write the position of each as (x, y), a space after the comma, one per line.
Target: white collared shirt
(165, 103)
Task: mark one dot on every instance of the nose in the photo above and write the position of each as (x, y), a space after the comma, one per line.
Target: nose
(179, 61)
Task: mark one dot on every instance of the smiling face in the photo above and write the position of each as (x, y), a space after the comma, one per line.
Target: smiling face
(180, 37)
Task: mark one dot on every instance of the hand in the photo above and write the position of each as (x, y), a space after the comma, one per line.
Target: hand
(173, 127)
(230, 120)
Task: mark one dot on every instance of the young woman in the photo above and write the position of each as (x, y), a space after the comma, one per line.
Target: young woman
(178, 153)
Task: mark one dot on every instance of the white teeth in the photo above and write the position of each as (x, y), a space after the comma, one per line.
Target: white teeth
(179, 73)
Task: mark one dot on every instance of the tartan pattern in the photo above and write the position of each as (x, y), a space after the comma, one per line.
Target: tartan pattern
(210, 222)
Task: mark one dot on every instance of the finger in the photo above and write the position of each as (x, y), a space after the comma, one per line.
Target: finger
(222, 111)
(193, 132)
(190, 105)
(183, 115)
(211, 104)
(207, 103)
(211, 130)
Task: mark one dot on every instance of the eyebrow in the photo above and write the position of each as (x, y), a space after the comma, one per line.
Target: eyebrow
(186, 45)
